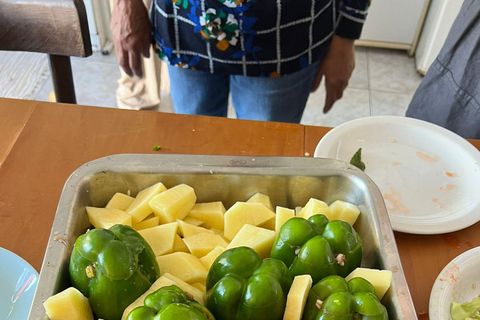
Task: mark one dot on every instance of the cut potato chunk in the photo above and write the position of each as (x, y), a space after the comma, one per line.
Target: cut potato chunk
(281, 216)
(380, 279)
(261, 198)
(202, 243)
(313, 207)
(160, 283)
(179, 245)
(297, 297)
(270, 224)
(184, 266)
(259, 239)
(220, 233)
(210, 213)
(119, 201)
(68, 304)
(173, 204)
(197, 294)
(345, 211)
(161, 238)
(147, 223)
(193, 221)
(139, 208)
(188, 230)
(208, 260)
(106, 218)
(201, 287)
(242, 213)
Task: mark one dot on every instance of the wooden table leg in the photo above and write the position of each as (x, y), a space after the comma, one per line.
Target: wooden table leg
(62, 78)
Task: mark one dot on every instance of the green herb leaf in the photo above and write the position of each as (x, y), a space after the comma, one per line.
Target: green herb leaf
(156, 148)
(357, 160)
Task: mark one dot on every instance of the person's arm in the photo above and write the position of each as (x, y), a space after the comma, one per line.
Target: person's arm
(338, 64)
(131, 32)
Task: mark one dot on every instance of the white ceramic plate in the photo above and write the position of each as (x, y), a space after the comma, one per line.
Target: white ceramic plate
(429, 177)
(459, 281)
(18, 281)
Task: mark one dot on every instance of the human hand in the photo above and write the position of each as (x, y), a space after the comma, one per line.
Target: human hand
(337, 67)
(131, 31)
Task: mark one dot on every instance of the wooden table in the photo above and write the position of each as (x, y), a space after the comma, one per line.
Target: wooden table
(41, 144)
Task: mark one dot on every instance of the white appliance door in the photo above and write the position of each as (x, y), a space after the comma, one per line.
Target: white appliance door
(439, 20)
(394, 21)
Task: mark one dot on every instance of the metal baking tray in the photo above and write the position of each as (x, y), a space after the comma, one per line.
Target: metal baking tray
(290, 182)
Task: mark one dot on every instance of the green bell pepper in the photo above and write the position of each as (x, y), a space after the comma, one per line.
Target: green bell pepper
(240, 286)
(318, 247)
(332, 298)
(112, 268)
(170, 303)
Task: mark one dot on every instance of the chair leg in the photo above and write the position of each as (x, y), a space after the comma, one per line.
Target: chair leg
(62, 78)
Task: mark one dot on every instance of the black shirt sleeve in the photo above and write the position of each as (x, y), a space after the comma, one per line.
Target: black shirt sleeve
(351, 18)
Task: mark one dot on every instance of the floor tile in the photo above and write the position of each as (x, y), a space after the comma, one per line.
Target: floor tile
(359, 79)
(392, 71)
(22, 74)
(95, 83)
(166, 103)
(389, 104)
(99, 57)
(353, 105)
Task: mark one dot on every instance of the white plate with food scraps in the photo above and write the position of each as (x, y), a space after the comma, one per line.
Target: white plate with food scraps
(459, 281)
(18, 281)
(429, 176)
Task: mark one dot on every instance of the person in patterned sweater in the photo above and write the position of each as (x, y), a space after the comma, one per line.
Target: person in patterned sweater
(267, 54)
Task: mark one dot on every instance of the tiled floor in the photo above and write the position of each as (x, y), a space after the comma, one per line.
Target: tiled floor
(383, 83)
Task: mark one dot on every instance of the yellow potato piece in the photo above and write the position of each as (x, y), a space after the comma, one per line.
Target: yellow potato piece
(242, 213)
(220, 233)
(208, 259)
(119, 201)
(202, 243)
(313, 207)
(161, 282)
(68, 304)
(106, 218)
(139, 208)
(147, 223)
(345, 211)
(184, 266)
(380, 279)
(259, 239)
(210, 213)
(193, 221)
(261, 198)
(188, 230)
(197, 294)
(297, 297)
(173, 204)
(179, 245)
(281, 216)
(161, 238)
(201, 287)
(270, 224)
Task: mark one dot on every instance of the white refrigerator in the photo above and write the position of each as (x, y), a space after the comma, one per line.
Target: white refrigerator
(440, 17)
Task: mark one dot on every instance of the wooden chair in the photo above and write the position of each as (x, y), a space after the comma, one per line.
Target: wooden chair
(56, 27)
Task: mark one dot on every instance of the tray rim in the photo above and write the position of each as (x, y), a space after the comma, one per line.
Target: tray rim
(207, 164)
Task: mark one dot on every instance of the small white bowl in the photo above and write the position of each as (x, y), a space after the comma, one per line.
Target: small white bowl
(459, 281)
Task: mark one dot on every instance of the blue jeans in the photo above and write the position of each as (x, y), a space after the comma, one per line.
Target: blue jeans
(255, 98)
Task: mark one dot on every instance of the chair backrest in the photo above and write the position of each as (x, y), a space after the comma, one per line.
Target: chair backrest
(57, 27)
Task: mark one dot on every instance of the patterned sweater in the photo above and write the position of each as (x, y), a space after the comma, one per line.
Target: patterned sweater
(267, 38)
